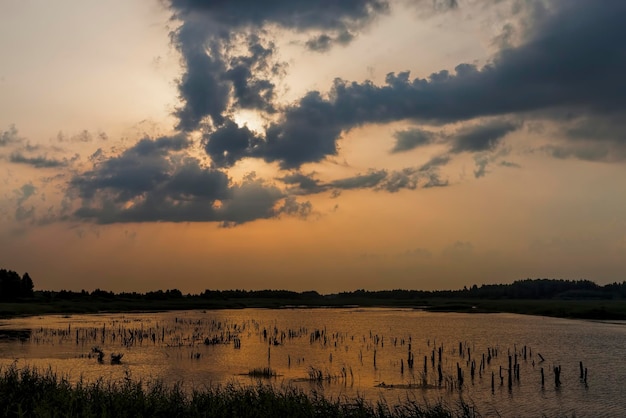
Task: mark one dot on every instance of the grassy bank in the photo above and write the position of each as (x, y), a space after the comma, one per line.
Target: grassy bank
(574, 309)
(578, 309)
(30, 393)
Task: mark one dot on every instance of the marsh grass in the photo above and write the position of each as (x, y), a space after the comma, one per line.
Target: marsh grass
(28, 392)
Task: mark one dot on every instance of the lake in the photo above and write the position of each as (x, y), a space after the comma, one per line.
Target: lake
(344, 352)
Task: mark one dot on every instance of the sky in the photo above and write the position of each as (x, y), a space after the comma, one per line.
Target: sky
(327, 145)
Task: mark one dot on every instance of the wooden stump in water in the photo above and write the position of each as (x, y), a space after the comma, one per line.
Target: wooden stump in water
(439, 373)
(581, 370)
(510, 377)
(557, 376)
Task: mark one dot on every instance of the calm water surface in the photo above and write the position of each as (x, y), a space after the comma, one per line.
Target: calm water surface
(343, 352)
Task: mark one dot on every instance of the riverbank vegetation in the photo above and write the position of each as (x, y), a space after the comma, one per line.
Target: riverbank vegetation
(30, 393)
(582, 299)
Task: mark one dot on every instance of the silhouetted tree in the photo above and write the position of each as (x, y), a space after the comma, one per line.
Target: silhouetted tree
(10, 284)
(27, 286)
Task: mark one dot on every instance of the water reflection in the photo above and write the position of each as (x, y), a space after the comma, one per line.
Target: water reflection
(390, 353)
(21, 335)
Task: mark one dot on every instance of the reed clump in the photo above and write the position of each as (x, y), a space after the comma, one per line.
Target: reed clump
(29, 392)
(264, 372)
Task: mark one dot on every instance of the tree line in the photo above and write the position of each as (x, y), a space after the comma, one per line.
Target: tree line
(16, 288)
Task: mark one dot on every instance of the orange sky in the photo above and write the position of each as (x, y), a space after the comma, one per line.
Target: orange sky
(524, 185)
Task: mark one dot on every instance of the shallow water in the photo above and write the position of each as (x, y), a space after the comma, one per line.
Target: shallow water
(358, 352)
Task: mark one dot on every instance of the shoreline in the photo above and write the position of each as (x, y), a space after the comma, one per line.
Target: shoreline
(604, 310)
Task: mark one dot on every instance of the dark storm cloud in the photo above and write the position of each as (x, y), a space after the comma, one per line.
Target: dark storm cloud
(202, 88)
(215, 80)
(296, 14)
(229, 143)
(155, 180)
(250, 76)
(572, 60)
(307, 133)
(212, 79)
(138, 170)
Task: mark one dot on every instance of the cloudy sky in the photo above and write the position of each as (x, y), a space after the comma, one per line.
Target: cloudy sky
(327, 145)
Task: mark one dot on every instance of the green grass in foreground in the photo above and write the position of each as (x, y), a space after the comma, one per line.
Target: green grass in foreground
(29, 393)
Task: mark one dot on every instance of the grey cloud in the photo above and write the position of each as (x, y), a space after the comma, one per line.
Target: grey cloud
(137, 170)
(379, 180)
(25, 192)
(445, 4)
(201, 88)
(23, 214)
(326, 42)
(577, 67)
(435, 162)
(402, 179)
(481, 161)
(229, 143)
(510, 164)
(609, 128)
(214, 81)
(321, 43)
(307, 133)
(586, 152)
(362, 181)
(9, 137)
(83, 136)
(294, 208)
(97, 156)
(433, 179)
(304, 184)
(155, 181)
(250, 76)
(38, 161)
(569, 60)
(160, 146)
(295, 14)
(211, 80)
(412, 138)
(482, 137)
